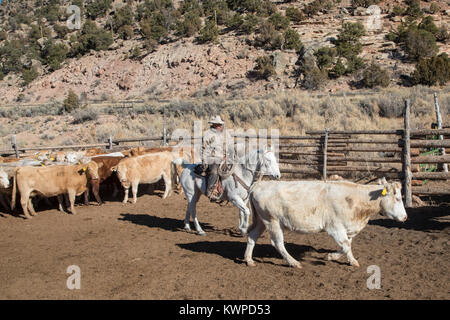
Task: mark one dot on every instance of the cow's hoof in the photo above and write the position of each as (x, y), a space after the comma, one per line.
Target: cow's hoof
(202, 233)
(296, 265)
(354, 264)
(251, 263)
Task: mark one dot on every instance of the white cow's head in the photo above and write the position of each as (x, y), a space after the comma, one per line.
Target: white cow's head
(4, 181)
(269, 164)
(391, 201)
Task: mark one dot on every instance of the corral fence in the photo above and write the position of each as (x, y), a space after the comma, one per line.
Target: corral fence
(414, 156)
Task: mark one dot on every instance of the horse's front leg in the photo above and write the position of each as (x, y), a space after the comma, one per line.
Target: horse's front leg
(244, 213)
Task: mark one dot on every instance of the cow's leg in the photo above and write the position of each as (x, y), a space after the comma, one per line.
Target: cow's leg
(96, 191)
(244, 213)
(168, 187)
(30, 207)
(24, 200)
(277, 240)
(126, 190)
(340, 236)
(60, 201)
(72, 195)
(66, 199)
(253, 236)
(134, 190)
(86, 197)
(3, 203)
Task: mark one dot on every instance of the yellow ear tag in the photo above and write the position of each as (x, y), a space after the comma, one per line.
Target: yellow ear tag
(384, 192)
(84, 168)
(42, 164)
(52, 159)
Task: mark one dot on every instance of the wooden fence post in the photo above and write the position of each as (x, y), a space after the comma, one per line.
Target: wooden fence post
(407, 176)
(439, 126)
(110, 142)
(164, 129)
(14, 145)
(325, 147)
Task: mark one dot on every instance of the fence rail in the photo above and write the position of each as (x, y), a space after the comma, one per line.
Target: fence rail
(394, 154)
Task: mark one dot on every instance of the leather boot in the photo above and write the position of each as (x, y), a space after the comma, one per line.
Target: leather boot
(212, 179)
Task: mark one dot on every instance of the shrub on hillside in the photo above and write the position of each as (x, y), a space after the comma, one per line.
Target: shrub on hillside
(10, 54)
(28, 75)
(294, 14)
(249, 24)
(375, 76)
(420, 44)
(432, 71)
(91, 38)
(413, 10)
(54, 54)
(314, 7)
(71, 102)
(217, 9)
(279, 21)
(189, 26)
(325, 57)
(292, 40)
(125, 32)
(123, 17)
(98, 8)
(264, 68)
(268, 37)
(208, 33)
(84, 115)
(364, 3)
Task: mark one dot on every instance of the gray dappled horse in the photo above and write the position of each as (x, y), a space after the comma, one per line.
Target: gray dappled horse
(235, 186)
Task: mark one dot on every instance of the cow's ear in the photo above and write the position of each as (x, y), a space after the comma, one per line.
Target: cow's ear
(382, 181)
(114, 169)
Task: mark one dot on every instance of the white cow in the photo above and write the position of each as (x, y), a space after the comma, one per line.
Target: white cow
(340, 208)
(4, 180)
(4, 188)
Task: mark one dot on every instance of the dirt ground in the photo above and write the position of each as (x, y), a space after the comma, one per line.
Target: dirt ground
(141, 252)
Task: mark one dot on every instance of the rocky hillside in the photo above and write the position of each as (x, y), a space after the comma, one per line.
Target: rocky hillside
(167, 49)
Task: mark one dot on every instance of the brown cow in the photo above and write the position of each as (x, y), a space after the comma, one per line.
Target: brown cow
(104, 172)
(148, 168)
(51, 181)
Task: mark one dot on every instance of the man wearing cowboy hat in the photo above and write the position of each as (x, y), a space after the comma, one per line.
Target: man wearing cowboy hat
(215, 140)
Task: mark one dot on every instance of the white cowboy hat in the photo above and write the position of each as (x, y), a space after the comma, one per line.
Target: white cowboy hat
(216, 120)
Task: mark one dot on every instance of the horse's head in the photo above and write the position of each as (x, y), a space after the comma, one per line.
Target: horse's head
(269, 164)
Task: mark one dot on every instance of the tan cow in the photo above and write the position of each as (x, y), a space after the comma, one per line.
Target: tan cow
(148, 168)
(340, 208)
(51, 181)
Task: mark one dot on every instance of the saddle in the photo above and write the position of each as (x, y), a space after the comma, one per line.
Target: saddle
(223, 172)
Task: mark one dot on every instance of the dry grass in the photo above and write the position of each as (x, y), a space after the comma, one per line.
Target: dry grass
(291, 113)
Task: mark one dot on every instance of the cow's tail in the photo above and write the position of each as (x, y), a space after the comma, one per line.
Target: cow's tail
(252, 212)
(174, 173)
(13, 196)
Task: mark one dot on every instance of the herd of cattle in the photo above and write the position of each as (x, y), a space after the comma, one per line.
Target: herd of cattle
(340, 208)
(67, 175)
